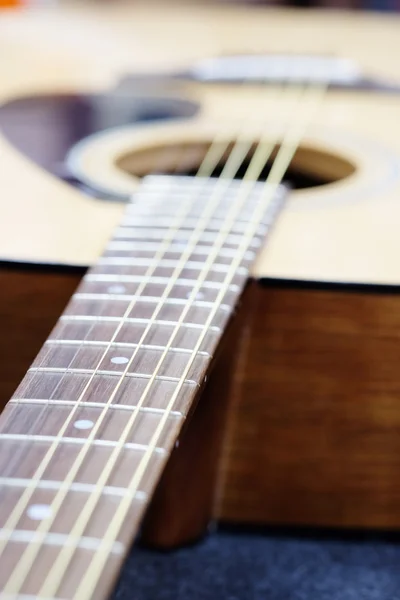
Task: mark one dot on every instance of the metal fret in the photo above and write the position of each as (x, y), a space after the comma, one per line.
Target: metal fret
(24, 597)
(149, 299)
(115, 373)
(124, 345)
(132, 261)
(75, 430)
(161, 221)
(130, 224)
(153, 247)
(154, 200)
(162, 280)
(159, 234)
(59, 539)
(101, 318)
(84, 404)
(85, 488)
(28, 437)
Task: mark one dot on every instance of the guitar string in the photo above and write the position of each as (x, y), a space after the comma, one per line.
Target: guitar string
(164, 247)
(53, 581)
(18, 456)
(43, 466)
(21, 452)
(214, 154)
(284, 156)
(171, 285)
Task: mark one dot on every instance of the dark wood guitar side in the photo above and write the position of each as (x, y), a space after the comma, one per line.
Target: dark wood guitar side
(295, 434)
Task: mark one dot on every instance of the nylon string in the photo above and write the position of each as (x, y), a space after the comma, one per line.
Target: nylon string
(263, 151)
(218, 148)
(285, 154)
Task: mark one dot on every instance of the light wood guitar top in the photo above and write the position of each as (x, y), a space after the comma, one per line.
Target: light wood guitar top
(347, 231)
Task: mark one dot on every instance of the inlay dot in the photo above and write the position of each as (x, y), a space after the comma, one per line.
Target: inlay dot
(83, 424)
(119, 360)
(116, 289)
(198, 296)
(38, 512)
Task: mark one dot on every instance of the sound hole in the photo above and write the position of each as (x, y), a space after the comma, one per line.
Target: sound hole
(45, 127)
(310, 167)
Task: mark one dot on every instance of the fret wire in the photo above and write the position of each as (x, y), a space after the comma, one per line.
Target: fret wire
(80, 587)
(115, 454)
(139, 321)
(75, 486)
(154, 231)
(91, 504)
(24, 597)
(120, 261)
(60, 440)
(125, 407)
(284, 156)
(148, 299)
(116, 373)
(65, 372)
(161, 222)
(174, 349)
(29, 555)
(23, 501)
(140, 470)
(186, 183)
(61, 539)
(9, 581)
(151, 246)
(139, 210)
(231, 239)
(163, 280)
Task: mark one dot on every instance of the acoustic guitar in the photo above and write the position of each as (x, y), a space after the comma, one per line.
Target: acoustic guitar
(200, 312)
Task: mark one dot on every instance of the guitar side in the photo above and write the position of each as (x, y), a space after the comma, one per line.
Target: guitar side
(300, 405)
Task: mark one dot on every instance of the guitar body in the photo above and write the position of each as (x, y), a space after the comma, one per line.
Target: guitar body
(305, 430)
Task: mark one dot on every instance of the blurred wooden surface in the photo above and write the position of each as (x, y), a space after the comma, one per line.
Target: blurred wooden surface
(31, 302)
(314, 424)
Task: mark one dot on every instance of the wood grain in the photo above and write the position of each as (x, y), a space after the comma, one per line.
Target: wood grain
(314, 430)
(185, 501)
(32, 300)
(312, 434)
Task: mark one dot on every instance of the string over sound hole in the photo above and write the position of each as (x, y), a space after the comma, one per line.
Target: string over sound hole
(309, 168)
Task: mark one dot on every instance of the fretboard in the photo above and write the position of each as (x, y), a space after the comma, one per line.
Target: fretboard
(85, 438)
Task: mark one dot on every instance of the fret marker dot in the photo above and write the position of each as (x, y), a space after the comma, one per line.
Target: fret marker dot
(116, 289)
(198, 296)
(38, 512)
(83, 424)
(119, 360)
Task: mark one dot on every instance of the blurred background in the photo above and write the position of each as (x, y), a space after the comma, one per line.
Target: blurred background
(376, 5)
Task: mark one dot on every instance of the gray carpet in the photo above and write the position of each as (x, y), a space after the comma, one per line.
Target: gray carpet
(248, 566)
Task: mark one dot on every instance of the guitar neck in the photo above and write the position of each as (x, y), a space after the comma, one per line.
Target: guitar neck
(85, 438)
